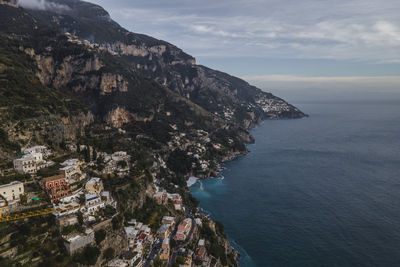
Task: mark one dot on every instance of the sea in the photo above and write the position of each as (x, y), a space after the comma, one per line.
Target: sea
(317, 191)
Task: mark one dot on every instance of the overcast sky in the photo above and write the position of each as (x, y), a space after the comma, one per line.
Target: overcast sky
(279, 42)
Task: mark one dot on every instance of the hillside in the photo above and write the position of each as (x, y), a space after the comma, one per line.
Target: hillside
(71, 77)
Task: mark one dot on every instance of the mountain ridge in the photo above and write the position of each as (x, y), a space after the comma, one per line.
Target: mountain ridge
(71, 77)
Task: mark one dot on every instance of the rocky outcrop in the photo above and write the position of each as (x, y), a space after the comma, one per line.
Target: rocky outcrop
(112, 82)
(118, 117)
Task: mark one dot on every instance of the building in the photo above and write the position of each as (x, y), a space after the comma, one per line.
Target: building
(168, 220)
(106, 196)
(4, 209)
(11, 192)
(37, 149)
(165, 250)
(198, 222)
(116, 162)
(93, 203)
(164, 231)
(71, 162)
(26, 164)
(183, 229)
(56, 187)
(94, 185)
(160, 198)
(78, 241)
(176, 201)
(118, 263)
(201, 254)
(67, 220)
(71, 172)
(131, 233)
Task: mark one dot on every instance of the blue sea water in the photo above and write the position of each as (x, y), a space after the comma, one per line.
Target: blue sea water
(318, 191)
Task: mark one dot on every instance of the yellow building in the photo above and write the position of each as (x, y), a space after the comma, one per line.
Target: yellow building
(12, 191)
(165, 250)
(94, 185)
(3, 206)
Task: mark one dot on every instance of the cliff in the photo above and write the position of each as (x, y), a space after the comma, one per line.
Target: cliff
(74, 75)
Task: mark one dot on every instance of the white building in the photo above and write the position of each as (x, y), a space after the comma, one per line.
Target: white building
(79, 241)
(26, 164)
(71, 162)
(38, 149)
(29, 163)
(12, 191)
(93, 203)
(108, 199)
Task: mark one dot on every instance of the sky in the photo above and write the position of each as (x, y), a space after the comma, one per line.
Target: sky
(279, 44)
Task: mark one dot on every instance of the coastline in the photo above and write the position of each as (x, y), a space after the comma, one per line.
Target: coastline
(241, 253)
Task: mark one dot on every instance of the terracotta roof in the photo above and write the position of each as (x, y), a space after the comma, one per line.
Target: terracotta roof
(53, 178)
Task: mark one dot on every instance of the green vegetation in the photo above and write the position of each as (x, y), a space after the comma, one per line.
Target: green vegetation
(88, 256)
(179, 162)
(100, 235)
(151, 214)
(6, 144)
(108, 253)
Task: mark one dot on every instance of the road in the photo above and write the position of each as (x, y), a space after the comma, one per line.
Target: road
(188, 239)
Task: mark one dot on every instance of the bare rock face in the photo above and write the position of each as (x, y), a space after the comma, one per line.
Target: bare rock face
(112, 82)
(13, 3)
(46, 67)
(118, 117)
(76, 124)
(135, 50)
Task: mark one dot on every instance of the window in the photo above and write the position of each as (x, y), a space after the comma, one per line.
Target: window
(20, 189)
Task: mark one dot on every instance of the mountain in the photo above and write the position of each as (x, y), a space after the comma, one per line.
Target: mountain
(129, 80)
(70, 75)
(230, 98)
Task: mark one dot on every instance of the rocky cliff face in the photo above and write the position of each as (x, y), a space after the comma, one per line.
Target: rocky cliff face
(232, 99)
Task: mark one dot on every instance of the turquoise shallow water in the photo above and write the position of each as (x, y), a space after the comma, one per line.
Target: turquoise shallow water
(318, 191)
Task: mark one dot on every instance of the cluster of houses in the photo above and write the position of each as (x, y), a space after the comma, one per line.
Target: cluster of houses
(89, 200)
(201, 254)
(162, 198)
(32, 160)
(140, 237)
(118, 162)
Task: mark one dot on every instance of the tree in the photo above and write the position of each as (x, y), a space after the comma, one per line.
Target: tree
(87, 155)
(108, 253)
(100, 235)
(23, 199)
(80, 217)
(88, 256)
(94, 155)
(180, 260)
(122, 164)
(157, 262)
(116, 222)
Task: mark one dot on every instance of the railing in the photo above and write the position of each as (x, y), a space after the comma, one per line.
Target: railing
(24, 215)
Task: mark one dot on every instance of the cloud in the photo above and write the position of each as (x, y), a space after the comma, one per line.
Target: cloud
(43, 5)
(374, 83)
(343, 29)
